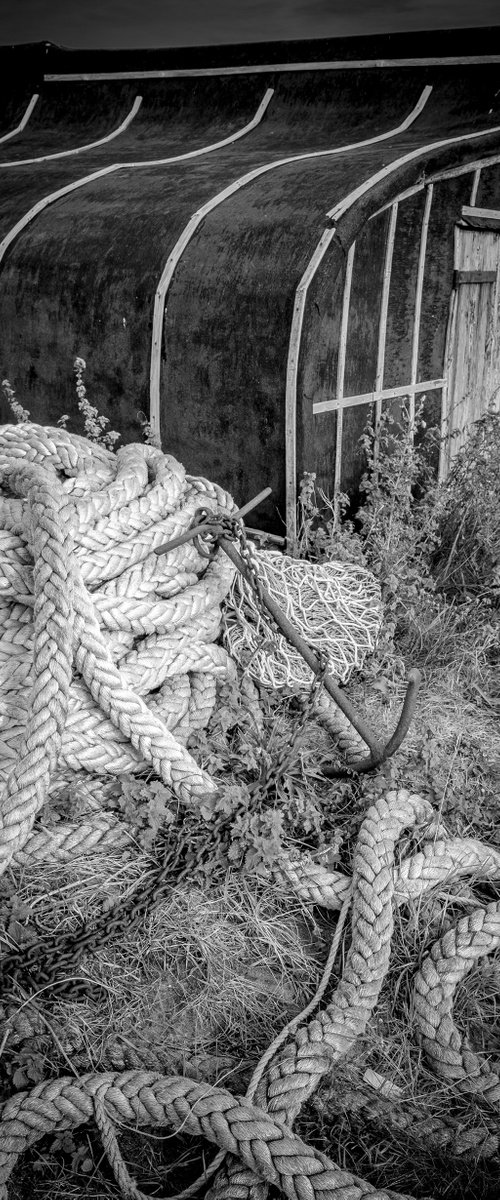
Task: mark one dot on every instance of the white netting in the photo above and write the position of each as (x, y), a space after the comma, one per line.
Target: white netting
(336, 607)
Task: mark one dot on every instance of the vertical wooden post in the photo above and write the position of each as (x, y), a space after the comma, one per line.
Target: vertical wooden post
(448, 370)
(475, 185)
(382, 328)
(339, 389)
(291, 384)
(418, 297)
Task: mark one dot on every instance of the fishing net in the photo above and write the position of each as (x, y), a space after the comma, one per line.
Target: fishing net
(336, 606)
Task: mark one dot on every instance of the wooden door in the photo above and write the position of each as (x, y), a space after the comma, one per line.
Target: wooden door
(472, 366)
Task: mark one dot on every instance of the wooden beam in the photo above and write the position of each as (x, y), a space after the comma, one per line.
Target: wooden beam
(461, 277)
(419, 287)
(359, 64)
(198, 217)
(481, 218)
(297, 320)
(342, 207)
(21, 162)
(384, 304)
(409, 389)
(24, 120)
(52, 197)
(450, 173)
(475, 186)
(449, 372)
(169, 269)
(291, 386)
(339, 390)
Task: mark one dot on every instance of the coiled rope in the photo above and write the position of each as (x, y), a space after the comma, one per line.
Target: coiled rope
(107, 654)
(83, 592)
(261, 1146)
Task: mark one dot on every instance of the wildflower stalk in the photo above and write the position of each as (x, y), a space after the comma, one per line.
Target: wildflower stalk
(94, 423)
(21, 414)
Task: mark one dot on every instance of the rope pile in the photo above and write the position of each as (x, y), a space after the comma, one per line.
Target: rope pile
(108, 661)
(108, 658)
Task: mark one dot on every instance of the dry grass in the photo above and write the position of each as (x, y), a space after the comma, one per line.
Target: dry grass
(225, 960)
(369, 1115)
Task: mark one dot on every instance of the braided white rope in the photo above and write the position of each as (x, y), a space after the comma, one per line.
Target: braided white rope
(89, 608)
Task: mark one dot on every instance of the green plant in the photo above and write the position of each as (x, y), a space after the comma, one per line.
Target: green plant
(324, 532)
(399, 520)
(93, 422)
(21, 414)
(467, 559)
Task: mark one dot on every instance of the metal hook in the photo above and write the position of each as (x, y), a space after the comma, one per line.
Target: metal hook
(208, 528)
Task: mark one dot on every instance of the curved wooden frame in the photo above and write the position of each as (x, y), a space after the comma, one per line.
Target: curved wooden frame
(159, 162)
(341, 208)
(334, 216)
(339, 388)
(24, 120)
(419, 289)
(195, 222)
(21, 162)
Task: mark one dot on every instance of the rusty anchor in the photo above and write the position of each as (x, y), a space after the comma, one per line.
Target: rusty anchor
(209, 533)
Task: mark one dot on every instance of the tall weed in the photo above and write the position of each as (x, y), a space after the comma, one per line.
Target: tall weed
(467, 558)
(435, 548)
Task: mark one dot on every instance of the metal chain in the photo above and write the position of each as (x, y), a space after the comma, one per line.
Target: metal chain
(38, 966)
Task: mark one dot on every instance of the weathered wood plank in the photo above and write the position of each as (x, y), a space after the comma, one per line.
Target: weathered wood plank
(339, 390)
(481, 218)
(359, 64)
(24, 120)
(382, 329)
(109, 137)
(427, 385)
(336, 213)
(473, 357)
(460, 277)
(418, 296)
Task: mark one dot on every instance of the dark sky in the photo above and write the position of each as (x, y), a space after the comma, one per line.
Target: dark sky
(142, 23)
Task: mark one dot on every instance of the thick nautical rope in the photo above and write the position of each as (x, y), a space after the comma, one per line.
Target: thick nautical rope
(447, 964)
(137, 624)
(50, 537)
(428, 1128)
(240, 1176)
(295, 1074)
(264, 1144)
(435, 863)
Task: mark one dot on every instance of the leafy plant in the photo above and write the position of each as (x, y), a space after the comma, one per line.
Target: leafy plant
(324, 532)
(21, 414)
(95, 424)
(467, 559)
(147, 806)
